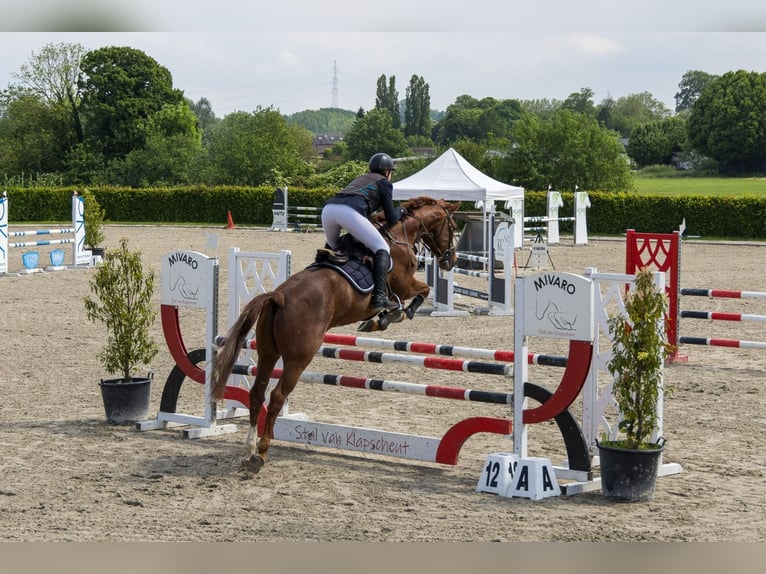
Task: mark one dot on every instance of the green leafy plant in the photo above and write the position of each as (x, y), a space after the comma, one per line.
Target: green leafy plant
(123, 291)
(639, 350)
(94, 219)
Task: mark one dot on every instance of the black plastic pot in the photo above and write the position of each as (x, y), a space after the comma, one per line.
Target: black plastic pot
(628, 475)
(126, 402)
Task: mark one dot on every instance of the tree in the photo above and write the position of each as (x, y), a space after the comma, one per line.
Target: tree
(482, 121)
(39, 114)
(246, 148)
(570, 149)
(692, 84)
(51, 74)
(605, 113)
(417, 118)
(581, 102)
(121, 88)
(34, 136)
(387, 98)
(543, 108)
(728, 122)
(304, 142)
(458, 123)
(636, 109)
(324, 121)
(173, 140)
(375, 133)
(656, 142)
(203, 110)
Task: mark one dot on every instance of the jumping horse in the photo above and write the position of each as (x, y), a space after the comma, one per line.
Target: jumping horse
(291, 321)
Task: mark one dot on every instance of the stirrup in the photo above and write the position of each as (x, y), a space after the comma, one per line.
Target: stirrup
(333, 257)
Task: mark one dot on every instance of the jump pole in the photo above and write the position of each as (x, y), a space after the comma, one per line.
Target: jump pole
(426, 349)
(662, 251)
(722, 316)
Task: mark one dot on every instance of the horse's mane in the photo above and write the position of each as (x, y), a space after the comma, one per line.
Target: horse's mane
(409, 205)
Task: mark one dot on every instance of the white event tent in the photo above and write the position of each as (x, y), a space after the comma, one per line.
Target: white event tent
(453, 178)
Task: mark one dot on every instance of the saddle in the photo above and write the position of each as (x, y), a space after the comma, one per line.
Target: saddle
(355, 263)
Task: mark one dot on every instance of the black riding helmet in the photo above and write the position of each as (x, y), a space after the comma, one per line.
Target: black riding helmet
(381, 162)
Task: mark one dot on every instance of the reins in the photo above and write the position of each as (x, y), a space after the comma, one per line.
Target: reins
(431, 240)
(425, 235)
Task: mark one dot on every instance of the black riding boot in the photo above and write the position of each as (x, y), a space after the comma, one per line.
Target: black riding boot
(380, 301)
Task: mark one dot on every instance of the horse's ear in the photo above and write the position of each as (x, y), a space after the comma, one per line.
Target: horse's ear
(453, 207)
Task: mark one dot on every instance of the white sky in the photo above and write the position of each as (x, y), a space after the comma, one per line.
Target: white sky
(241, 54)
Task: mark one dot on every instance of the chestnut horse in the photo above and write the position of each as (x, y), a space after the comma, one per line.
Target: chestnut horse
(291, 321)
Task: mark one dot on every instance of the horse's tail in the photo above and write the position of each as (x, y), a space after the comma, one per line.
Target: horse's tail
(227, 355)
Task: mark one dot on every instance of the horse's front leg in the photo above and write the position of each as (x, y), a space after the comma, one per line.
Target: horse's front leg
(381, 322)
(414, 305)
(418, 291)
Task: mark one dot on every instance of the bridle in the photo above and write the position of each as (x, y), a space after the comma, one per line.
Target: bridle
(430, 239)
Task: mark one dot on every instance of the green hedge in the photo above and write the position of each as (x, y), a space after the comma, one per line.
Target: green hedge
(609, 214)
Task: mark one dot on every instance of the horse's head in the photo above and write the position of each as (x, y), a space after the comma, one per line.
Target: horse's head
(436, 227)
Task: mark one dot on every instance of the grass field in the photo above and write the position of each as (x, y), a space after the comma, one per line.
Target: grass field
(712, 186)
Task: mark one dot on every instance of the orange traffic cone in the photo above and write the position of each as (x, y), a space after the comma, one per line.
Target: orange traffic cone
(230, 224)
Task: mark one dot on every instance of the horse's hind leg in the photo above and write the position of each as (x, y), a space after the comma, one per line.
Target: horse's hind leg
(257, 398)
(284, 387)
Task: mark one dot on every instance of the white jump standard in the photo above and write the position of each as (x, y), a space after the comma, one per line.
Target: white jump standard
(80, 256)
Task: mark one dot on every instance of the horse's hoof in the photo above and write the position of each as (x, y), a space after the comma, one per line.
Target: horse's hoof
(410, 313)
(383, 322)
(253, 464)
(367, 326)
(396, 316)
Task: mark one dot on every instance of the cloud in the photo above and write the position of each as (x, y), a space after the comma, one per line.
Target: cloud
(289, 59)
(596, 45)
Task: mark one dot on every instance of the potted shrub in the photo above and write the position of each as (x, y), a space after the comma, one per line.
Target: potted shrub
(93, 217)
(123, 304)
(629, 461)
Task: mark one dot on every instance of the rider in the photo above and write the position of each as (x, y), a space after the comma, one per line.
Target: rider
(351, 208)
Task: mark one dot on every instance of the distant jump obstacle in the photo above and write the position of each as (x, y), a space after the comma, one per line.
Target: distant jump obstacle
(549, 223)
(581, 308)
(297, 218)
(80, 256)
(662, 251)
(499, 287)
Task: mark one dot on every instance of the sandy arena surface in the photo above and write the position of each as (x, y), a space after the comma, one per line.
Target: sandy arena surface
(67, 475)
